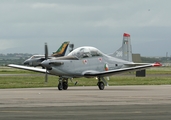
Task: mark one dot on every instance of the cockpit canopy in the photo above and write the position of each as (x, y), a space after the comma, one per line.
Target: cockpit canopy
(84, 52)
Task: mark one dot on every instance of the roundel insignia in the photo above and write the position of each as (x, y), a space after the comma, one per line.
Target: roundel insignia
(85, 61)
(106, 67)
(100, 59)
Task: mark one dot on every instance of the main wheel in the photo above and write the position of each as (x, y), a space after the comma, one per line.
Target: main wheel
(65, 85)
(101, 85)
(60, 86)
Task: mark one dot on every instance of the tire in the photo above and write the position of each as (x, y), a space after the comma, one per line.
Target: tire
(65, 85)
(101, 85)
(59, 86)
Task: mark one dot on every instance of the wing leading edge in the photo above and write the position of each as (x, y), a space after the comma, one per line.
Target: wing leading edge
(117, 71)
(27, 68)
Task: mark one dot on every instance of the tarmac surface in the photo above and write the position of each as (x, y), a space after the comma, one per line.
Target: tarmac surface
(87, 103)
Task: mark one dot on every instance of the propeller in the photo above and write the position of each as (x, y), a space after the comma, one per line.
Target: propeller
(46, 57)
(46, 51)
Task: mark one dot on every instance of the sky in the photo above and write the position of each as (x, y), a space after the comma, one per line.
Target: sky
(25, 25)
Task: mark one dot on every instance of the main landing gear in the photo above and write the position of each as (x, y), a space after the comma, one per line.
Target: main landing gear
(101, 83)
(63, 84)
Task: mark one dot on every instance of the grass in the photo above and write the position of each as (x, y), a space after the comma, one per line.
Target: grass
(132, 80)
(156, 76)
(159, 70)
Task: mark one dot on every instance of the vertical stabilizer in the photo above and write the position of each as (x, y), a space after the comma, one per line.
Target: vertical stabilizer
(125, 51)
(61, 51)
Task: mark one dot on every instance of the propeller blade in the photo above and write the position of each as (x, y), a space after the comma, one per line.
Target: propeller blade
(46, 77)
(46, 57)
(46, 51)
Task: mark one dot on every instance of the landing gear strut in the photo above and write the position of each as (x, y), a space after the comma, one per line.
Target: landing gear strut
(63, 84)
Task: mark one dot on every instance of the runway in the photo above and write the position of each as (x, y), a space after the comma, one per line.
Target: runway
(115, 102)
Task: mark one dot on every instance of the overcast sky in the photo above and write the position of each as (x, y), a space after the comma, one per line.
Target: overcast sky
(25, 25)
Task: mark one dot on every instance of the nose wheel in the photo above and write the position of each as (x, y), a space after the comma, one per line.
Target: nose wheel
(63, 84)
(60, 86)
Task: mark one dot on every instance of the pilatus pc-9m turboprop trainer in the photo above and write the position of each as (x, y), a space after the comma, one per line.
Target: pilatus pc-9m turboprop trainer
(89, 62)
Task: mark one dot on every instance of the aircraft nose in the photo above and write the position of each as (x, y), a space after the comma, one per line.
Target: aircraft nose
(26, 62)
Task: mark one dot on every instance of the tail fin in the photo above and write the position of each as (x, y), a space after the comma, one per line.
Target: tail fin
(125, 51)
(61, 51)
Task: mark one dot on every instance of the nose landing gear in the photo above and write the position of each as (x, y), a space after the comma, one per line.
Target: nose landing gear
(63, 84)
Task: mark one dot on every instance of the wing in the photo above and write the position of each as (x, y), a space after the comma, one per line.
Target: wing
(117, 71)
(140, 64)
(27, 68)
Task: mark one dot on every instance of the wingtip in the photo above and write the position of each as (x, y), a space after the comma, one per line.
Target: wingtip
(157, 64)
(9, 65)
